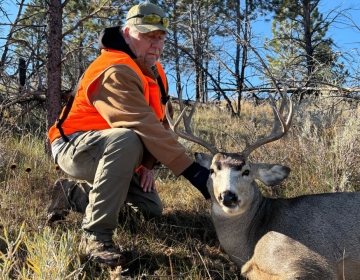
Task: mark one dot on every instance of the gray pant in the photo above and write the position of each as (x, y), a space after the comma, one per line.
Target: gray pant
(107, 160)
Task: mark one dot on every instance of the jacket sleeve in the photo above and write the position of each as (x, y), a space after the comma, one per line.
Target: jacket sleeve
(118, 96)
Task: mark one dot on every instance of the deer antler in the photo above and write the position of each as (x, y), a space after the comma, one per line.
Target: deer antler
(274, 135)
(188, 135)
(278, 120)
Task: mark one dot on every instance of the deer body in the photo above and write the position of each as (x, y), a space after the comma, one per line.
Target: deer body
(308, 237)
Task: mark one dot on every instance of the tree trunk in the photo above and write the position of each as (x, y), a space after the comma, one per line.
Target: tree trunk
(54, 42)
(308, 39)
(22, 74)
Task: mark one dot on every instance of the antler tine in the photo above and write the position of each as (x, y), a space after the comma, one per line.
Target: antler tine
(283, 97)
(188, 135)
(275, 133)
(282, 106)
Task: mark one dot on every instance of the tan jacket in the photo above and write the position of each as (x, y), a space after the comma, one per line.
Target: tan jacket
(125, 106)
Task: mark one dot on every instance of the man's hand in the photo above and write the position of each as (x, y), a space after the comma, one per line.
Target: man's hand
(198, 176)
(147, 182)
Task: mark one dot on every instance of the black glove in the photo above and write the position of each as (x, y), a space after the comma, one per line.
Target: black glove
(198, 176)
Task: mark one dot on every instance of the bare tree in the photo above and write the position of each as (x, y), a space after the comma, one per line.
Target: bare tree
(53, 64)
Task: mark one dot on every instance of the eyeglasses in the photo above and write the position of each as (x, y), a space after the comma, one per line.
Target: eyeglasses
(152, 19)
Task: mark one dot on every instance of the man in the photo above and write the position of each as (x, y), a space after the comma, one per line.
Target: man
(116, 129)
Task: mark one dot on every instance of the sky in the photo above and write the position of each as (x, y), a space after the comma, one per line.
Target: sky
(341, 35)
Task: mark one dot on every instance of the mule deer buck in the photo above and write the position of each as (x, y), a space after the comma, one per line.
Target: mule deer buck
(306, 237)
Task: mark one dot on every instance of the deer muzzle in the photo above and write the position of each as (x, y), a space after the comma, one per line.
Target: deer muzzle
(228, 199)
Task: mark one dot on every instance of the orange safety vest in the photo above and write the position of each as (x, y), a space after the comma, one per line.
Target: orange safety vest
(83, 116)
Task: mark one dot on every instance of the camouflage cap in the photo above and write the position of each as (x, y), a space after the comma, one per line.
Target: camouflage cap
(147, 17)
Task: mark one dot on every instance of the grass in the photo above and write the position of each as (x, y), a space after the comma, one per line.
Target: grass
(322, 148)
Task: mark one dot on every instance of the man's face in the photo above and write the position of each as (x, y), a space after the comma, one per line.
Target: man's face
(145, 45)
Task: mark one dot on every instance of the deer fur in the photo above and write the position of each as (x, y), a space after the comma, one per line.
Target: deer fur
(306, 237)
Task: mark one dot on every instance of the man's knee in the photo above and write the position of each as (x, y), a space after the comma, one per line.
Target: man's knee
(155, 210)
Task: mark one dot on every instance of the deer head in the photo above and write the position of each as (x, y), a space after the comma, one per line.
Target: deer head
(232, 175)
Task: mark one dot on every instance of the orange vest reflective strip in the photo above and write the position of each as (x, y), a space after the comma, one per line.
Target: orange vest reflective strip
(83, 116)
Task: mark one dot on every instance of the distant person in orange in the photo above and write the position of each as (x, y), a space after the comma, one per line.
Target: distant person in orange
(116, 129)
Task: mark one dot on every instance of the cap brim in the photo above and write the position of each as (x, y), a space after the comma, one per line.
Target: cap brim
(145, 28)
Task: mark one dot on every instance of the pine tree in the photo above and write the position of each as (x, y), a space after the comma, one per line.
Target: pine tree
(303, 52)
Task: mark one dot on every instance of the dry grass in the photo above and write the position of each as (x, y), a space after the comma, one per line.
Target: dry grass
(322, 149)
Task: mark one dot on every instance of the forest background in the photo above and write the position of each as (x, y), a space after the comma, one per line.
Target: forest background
(216, 53)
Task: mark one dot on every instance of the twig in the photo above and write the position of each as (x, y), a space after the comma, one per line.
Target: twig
(207, 271)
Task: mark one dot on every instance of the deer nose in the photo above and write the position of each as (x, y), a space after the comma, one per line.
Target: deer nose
(228, 198)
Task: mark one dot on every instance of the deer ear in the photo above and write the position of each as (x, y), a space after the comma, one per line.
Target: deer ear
(203, 159)
(270, 174)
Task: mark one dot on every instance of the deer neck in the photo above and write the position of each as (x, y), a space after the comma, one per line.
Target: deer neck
(238, 234)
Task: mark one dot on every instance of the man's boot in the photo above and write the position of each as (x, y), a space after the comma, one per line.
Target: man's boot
(103, 252)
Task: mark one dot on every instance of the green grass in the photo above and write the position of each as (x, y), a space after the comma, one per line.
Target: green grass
(322, 148)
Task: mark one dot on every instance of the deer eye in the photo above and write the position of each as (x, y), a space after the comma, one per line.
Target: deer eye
(211, 171)
(246, 172)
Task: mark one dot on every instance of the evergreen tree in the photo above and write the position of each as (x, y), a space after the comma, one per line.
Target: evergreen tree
(303, 52)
